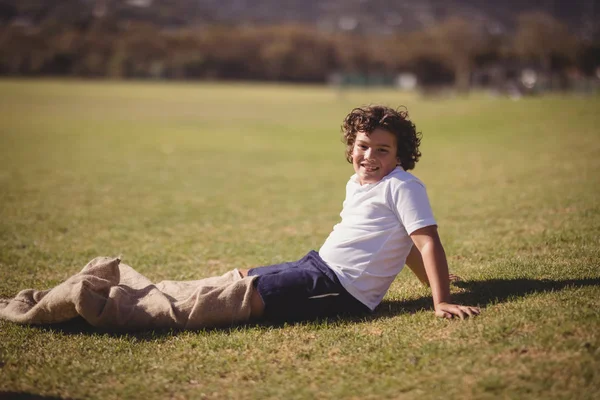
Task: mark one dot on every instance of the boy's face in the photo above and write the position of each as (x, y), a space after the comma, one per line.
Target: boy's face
(374, 155)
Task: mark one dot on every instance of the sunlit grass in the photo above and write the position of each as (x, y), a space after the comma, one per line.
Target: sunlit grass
(190, 180)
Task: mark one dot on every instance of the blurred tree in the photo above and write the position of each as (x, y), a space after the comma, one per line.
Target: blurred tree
(227, 53)
(350, 53)
(138, 52)
(93, 51)
(64, 43)
(543, 39)
(23, 50)
(184, 52)
(296, 53)
(386, 54)
(457, 42)
(588, 58)
(180, 39)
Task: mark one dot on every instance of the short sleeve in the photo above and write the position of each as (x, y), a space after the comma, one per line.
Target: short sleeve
(410, 203)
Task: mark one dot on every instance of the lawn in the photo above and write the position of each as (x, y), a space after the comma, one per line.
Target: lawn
(192, 180)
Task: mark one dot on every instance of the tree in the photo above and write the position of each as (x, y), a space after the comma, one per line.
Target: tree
(457, 42)
(543, 39)
(23, 50)
(183, 53)
(295, 53)
(140, 52)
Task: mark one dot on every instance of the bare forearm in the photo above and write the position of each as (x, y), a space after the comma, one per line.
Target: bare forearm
(432, 252)
(414, 261)
(436, 266)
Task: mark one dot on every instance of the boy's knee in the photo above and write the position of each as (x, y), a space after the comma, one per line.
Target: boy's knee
(257, 305)
(243, 272)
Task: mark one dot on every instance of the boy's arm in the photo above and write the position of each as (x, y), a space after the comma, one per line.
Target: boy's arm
(428, 243)
(414, 261)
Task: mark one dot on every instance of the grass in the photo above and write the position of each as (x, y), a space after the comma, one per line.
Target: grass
(191, 180)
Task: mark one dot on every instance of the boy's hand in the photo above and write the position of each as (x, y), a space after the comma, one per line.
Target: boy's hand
(445, 310)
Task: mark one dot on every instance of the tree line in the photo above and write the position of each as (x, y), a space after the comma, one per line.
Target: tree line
(445, 53)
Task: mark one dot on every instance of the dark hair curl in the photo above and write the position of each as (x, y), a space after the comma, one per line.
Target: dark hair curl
(368, 118)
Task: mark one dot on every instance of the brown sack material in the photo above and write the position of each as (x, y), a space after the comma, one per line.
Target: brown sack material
(113, 296)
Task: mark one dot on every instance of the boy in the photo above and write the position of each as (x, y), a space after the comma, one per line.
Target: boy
(386, 222)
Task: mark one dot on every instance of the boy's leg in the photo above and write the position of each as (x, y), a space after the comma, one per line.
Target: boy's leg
(302, 290)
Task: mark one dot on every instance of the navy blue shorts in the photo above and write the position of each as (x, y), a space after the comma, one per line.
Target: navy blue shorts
(303, 289)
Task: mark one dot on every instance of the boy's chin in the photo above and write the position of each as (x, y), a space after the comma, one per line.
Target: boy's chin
(367, 178)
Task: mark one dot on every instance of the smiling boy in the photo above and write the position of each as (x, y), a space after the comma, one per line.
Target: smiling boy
(387, 222)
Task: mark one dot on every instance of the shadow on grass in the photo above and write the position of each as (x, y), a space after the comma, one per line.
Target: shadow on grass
(484, 293)
(477, 293)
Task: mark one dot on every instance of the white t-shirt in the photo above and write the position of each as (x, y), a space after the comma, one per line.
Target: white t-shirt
(368, 248)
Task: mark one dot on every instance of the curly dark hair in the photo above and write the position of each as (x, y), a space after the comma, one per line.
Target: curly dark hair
(368, 118)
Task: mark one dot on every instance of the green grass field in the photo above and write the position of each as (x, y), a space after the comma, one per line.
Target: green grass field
(187, 181)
